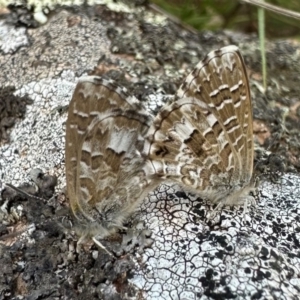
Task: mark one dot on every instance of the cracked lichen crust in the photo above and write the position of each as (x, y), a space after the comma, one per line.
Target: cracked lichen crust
(232, 256)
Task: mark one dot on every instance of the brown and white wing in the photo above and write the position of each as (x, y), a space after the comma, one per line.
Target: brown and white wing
(204, 138)
(104, 136)
(221, 81)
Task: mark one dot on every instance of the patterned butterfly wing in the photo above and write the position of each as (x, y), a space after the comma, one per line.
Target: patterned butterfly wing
(104, 138)
(204, 140)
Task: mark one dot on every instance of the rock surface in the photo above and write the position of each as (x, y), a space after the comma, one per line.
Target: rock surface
(233, 255)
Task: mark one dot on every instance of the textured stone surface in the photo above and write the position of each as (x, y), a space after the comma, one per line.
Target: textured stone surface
(230, 255)
(194, 255)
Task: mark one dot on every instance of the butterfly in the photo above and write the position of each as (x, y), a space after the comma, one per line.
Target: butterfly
(203, 140)
(105, 133)
(116, 153)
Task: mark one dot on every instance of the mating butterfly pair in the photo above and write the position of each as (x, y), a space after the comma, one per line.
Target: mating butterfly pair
(116, 152)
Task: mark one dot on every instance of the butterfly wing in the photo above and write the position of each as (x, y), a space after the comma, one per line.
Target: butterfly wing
(104, 138)
(204, 139)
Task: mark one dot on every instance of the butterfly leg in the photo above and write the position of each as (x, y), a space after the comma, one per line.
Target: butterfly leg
(249, 200)
(83, 238)
(214, 212)
(101, 246)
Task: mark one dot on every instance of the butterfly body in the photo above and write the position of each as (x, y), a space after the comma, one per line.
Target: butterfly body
(203, 140)
(104, 139)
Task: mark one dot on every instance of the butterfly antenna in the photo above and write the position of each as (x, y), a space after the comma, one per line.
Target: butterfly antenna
(19, 191)
(17, 233)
